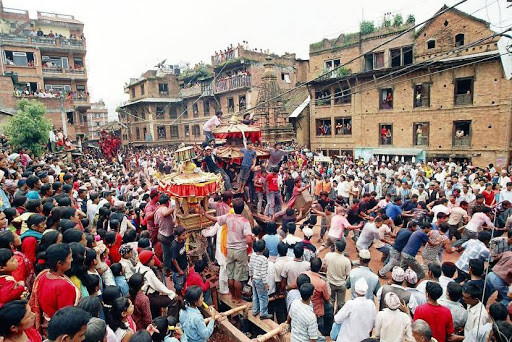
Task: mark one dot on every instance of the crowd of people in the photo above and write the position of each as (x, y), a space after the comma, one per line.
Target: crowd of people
(90, 249)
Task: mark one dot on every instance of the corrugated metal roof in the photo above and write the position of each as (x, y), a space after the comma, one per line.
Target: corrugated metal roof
(300, 108)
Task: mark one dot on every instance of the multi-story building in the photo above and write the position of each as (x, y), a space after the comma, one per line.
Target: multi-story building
(439, 92)
(43, 58)
(152, 113)
(169, 105)
(97, 116)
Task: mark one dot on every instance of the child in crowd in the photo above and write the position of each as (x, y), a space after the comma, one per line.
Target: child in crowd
(258, 272)
(10, 289)
(126, 252)
(194, 326)
(118, 272)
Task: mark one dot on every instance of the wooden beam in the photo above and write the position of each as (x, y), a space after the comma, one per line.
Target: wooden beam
(226, 326)
(265, 324)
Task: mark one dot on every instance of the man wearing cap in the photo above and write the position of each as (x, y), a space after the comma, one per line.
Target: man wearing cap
(22, 188)
(398, 276)
(238, 239)
(159, 295)
(391, 323)
(504, 179)
(357, 316)
(210, 125)
(213, 167)
(363, 271)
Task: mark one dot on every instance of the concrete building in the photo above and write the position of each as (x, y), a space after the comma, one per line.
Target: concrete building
(97, 117)
(170, 105)
(43, 58)
(439, 92)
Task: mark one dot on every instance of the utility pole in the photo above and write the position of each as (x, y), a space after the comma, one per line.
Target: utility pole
(63, 116)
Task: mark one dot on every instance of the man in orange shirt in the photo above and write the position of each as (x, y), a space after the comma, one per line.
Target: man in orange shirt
(322, 306)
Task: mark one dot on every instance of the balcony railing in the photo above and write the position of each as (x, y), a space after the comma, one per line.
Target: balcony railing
(235, 82)
(59, 70)
(463, 99)
(464, 141)
(195, 90)
(225, 56)
(44, 41)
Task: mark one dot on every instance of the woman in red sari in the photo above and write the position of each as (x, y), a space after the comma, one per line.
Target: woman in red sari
(52, 289)
(18, 322)
(25, 270)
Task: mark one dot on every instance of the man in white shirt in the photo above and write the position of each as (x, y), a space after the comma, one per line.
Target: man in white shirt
(477, 314)
(440, 208)
(506, 193)
(357, 316)
(504, 179)
(210, 125)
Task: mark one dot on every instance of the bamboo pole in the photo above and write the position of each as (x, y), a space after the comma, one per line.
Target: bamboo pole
(234, 310)
(272, 333)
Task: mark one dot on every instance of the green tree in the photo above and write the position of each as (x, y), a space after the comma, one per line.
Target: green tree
(29, 128)
(367, 27)
(398, 20)
(386, 23)
(411, 19)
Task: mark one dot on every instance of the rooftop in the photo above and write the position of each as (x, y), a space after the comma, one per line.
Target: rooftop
(347, 39)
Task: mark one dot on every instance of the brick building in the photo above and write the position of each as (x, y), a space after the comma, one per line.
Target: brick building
(43, 58)
(170, 105)
(97, 116)
(436, 92)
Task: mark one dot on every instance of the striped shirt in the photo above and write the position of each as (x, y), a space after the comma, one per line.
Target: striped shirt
(258, 267)
(304, 325)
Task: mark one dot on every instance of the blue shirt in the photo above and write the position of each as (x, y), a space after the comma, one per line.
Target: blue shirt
(249, 156)
(122, 284)
(401, 239)
(417, 239)
(271, 242)
(371, 279)
(33, 195)
(192, 323)
(393, 211)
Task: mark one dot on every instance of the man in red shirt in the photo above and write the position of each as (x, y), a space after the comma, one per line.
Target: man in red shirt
(274, 200)
(438, 317)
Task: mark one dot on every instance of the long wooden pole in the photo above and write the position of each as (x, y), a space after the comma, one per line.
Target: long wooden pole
(270, 334)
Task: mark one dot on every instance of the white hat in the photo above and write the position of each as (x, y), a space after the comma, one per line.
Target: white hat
(365, 254)
(307, 232)
(207, 148)
(361, 286)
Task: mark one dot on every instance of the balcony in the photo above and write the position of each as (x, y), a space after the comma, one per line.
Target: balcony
(462, 142)
(225, 56)
(463, 99)
(44, 41)
(195, 90)
(232, 83)
(59, 72)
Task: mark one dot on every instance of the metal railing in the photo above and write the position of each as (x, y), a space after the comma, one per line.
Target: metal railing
(195, 90)
(44, 41)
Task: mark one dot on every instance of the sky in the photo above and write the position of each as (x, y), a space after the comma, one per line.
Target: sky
(127, 37)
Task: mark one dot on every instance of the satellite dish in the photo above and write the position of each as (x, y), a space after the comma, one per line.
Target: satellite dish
(505, 49)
